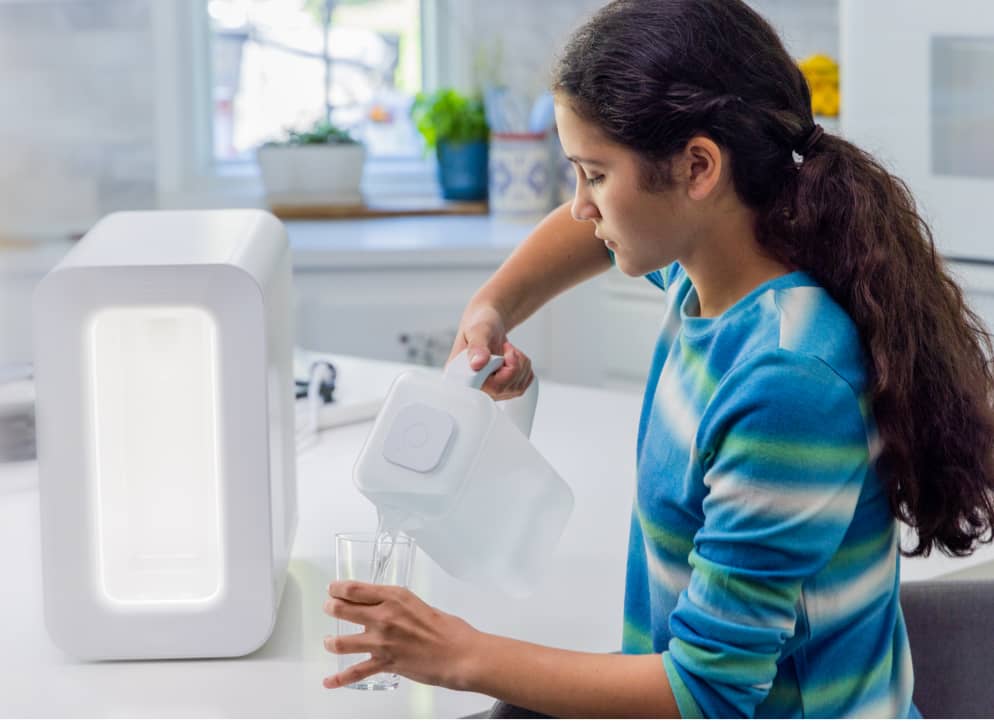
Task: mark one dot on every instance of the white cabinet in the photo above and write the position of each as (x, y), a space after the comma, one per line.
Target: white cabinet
(365, 311)
(394, 313)
(395, 289)
(633, 311)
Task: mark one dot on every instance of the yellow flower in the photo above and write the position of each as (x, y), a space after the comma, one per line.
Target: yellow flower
(822, 74)
(825, 102)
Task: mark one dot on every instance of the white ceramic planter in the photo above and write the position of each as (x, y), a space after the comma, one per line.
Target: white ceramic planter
(312, 175)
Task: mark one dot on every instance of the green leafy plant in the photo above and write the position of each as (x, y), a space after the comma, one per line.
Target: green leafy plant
(321, 132)
(450, 117)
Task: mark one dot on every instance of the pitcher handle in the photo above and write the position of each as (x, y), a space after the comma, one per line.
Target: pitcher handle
(521, 409)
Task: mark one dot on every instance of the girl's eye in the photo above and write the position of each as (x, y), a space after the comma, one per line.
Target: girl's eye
(594, 180)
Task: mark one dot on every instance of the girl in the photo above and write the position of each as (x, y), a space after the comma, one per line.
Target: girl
(818, 378)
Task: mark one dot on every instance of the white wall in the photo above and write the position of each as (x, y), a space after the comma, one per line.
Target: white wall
(77, 112)
(527, 34)
(806, 26)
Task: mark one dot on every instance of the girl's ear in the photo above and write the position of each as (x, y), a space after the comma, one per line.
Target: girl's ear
(702, 164)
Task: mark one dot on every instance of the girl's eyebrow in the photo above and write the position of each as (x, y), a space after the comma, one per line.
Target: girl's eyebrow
(589, 161)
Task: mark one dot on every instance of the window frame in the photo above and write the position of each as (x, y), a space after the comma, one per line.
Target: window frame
(188, 176)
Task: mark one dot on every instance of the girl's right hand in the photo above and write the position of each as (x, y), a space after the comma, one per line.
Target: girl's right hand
(482, 331)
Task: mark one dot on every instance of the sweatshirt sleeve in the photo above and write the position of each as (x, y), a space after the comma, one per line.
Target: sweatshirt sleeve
(784, 453)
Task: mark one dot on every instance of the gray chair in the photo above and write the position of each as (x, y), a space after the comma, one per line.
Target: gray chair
(951, 629)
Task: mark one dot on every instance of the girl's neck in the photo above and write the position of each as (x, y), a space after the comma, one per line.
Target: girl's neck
(729, 266)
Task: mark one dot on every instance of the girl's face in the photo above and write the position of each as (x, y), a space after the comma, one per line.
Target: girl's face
(645, 230)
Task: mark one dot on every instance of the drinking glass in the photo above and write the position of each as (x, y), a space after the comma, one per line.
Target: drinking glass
(354, 561)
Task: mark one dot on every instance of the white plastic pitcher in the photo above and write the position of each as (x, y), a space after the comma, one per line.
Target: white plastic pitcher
(455, 470)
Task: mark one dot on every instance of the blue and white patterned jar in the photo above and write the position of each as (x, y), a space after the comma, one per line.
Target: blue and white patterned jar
(565, 177)
(521, 184)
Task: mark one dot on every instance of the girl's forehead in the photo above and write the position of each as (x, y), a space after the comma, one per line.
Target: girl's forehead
(581, 137)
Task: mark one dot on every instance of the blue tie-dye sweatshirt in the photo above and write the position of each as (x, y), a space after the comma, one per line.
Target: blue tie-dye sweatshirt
(763, 561)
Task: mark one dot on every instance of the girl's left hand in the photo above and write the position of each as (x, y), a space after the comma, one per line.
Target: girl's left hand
(403, 634)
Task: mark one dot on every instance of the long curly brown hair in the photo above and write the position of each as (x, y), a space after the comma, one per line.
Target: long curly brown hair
(653, 73)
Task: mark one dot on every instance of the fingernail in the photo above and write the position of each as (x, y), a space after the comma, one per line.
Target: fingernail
(476, 357)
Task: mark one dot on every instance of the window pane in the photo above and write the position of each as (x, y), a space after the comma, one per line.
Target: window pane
(269, 71)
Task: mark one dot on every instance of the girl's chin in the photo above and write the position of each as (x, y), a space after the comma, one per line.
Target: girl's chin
(625, 266)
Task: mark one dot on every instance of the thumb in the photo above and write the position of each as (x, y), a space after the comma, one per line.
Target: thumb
(479, 340)
(478, 355)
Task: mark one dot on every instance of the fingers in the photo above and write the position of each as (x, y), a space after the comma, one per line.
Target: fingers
(369, 641)
(478, 353)
(403, 635)
(512, 378)
(354, 673)
(522, 366)
(482, 340)
(481, 332)
(363, 603)
(478, 356)
(359, 592)
(359, 613)
(354, 644)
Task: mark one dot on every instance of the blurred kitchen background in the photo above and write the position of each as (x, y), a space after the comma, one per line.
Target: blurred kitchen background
(108, 105)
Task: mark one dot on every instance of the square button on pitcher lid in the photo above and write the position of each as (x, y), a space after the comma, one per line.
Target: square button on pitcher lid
(418, 437)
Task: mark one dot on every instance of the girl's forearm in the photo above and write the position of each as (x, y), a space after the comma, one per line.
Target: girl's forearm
(559, 254)
(569, 683)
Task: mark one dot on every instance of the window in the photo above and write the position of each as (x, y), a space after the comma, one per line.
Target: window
(234, 73)
(277, 64)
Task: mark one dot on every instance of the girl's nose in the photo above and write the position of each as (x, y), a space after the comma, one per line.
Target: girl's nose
(583, 209)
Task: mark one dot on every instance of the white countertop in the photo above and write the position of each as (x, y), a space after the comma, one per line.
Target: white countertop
(414, 241)
(589, 437)
(401, 242)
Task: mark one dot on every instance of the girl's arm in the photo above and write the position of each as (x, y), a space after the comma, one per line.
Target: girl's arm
(405, 635)
(559, 254)
(570, 683)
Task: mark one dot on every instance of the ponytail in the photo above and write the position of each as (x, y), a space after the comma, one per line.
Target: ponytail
(854, 227)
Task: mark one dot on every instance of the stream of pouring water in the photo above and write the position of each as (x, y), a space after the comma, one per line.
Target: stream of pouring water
(378, 566)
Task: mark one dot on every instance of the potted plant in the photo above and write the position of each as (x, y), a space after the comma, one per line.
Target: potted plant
(319, 166)
(455, 126)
